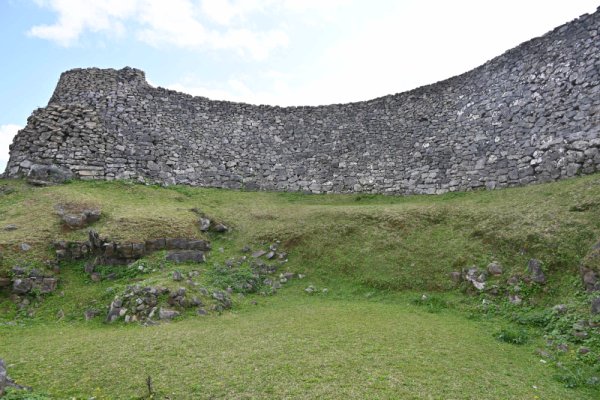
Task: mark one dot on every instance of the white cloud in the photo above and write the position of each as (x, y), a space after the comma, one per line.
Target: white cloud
(77, 16)
(180, 23)
(413, 44)
(7, 133)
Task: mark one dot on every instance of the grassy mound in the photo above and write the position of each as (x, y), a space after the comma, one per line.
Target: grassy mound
(371, 334)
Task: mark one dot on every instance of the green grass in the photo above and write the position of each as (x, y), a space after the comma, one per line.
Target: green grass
(372, 335)
(291, 346)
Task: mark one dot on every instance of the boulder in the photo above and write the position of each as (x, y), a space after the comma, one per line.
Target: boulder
(90, 314)
(220, 228)
(42, 175)
(476, 277)
(204, 224)
(167, 314)
(534, 268)
(456, 276)
(258, 253)
(589, 269)
(22, 285)
(595, 309)
(495, 268)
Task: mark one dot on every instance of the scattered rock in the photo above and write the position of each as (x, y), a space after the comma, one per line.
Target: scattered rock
(114, 311)
(562, 347)
(534, 268)
(310, 289)
(246, 249)
(95, 277)
(560, 309)
(167, 314)
(495, 268)
(583, 350)
(74, 221)
(202, 312)
(258, 253)
(595, 309)
(42, 175)
(515, 299)
(90, 314)
(22, 286)
(476, 277)
(270, 255)
(6, 382)
(60, 314)
(25, 247)
(590, 269)
(204, 224)
(456, 276)
(10, 227)
(177, 276)
(220, 228)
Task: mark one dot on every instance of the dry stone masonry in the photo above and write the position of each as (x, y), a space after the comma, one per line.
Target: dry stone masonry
(530, 115)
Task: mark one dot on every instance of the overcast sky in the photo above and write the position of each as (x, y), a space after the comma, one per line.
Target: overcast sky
(283, 52)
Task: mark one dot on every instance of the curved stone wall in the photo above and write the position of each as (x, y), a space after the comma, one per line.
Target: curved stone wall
(529, 115)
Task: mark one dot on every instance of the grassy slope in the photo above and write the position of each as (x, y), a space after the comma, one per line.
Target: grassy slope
(347, 347)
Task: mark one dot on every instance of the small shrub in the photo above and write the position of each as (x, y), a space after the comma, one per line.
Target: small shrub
(241, 279)
(512, 335)
(15, 394)
(432, 304)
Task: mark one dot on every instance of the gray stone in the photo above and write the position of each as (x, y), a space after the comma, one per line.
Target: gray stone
(22, 286)
(595, 309)
(177, 276)
(258, 253)
(456, 276)
(10, 227)
(40, 174)
(494, 268)
(515, 299)
(186, 256)
(90, 314)
(560, 309)
(74, 221)
(25, 247)
(204, 224)
(475, 277)
(220, 228)
(534, 268)
(167, 314)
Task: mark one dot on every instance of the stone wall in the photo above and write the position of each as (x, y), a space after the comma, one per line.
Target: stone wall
(530, 115)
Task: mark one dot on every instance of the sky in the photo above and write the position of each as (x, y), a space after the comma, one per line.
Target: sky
(279, 52)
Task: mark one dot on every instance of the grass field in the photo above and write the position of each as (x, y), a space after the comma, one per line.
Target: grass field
(367, 337)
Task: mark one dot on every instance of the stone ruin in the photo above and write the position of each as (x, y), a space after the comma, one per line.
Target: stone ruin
(527, 116)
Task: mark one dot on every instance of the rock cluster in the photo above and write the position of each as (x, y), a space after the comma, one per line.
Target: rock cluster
(75, 217)
(530, 115)
(148, 304)
(24, 282)
(479, 279)
(115, 253)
